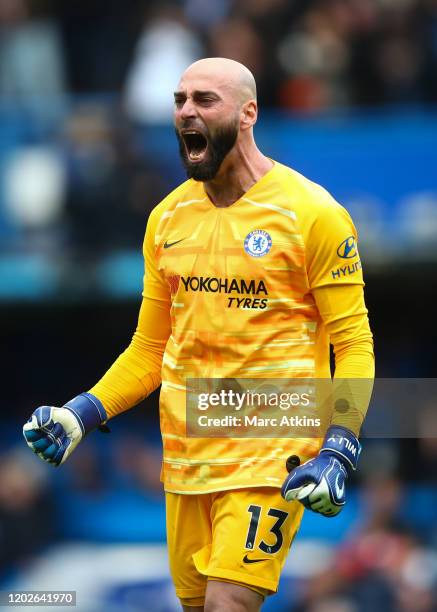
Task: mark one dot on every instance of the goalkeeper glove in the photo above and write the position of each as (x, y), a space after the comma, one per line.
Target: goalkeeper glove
(53, 433)
(320, 484)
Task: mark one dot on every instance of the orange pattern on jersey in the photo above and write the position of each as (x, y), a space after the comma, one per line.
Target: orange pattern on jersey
(236, 315)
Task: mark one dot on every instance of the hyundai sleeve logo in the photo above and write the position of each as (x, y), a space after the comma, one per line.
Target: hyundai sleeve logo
(348, 248)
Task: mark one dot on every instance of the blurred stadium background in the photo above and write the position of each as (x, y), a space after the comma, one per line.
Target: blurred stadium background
(348, 92)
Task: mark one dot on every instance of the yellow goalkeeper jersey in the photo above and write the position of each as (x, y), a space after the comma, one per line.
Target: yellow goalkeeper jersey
(232, 293)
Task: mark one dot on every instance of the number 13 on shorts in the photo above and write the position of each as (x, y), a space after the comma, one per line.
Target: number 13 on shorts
(242, 536)
(278, 519)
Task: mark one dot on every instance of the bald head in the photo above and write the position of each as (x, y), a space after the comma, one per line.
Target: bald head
(224, 73)
(215, 111)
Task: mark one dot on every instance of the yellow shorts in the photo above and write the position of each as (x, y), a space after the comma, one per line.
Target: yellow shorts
(240, 536)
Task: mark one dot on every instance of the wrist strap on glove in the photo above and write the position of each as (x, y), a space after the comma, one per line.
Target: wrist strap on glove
(89, 411)
(344, 443)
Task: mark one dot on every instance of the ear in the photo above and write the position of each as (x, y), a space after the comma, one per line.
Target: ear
(248, 115)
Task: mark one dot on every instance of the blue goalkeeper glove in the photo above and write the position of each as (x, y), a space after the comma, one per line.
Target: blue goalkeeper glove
(320, 484)
(53, 433)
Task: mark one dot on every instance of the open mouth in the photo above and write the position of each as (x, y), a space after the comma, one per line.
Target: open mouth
(195, 144)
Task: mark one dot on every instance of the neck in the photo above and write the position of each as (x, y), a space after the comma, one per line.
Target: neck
(241, 169)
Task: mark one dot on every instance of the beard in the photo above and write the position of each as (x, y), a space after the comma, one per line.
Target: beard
(218, 146)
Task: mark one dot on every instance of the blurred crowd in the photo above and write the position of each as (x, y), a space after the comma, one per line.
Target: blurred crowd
(92, 79)
(384, 564)
(80, 178)
(307, 55)
(384, 560)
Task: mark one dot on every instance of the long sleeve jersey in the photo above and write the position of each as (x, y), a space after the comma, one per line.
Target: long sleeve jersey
(259, 289)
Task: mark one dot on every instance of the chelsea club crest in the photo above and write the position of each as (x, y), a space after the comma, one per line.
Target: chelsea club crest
(258, 243)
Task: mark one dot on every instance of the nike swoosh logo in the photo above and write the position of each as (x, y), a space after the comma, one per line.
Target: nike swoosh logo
(247, 560)
(167, 245)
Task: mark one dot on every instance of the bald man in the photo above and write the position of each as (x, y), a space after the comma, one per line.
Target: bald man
(217, 144)
(251, 270)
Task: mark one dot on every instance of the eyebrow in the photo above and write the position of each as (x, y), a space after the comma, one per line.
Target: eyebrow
(198, 93)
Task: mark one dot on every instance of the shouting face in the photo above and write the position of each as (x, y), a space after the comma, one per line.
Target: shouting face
(203, 149)
(208, 104)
